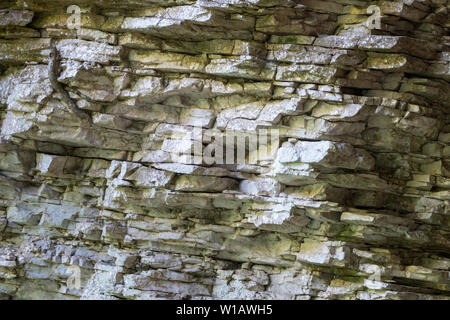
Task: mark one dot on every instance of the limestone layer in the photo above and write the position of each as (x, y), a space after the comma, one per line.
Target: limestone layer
(352, 204)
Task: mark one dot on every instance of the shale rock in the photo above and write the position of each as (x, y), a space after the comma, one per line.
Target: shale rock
(260, 149)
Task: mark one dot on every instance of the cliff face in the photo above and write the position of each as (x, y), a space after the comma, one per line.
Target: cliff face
(101, 108)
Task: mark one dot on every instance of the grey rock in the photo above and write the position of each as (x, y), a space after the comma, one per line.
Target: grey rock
(351, 202)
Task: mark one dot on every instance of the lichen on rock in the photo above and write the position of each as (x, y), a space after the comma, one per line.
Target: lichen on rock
(345, 195)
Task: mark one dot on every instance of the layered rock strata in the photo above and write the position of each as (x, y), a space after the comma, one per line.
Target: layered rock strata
(351, 202)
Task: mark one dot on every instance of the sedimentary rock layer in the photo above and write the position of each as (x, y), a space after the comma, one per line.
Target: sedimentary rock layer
(350, 202)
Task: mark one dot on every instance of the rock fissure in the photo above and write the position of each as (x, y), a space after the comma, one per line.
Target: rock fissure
(53, 71)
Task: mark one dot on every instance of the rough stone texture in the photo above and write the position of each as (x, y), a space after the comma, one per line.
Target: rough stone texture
(353, 205)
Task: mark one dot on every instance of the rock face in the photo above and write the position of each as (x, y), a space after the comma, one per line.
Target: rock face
(347, 198)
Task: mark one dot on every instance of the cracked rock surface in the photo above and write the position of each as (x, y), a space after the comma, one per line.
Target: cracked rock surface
(353, 203)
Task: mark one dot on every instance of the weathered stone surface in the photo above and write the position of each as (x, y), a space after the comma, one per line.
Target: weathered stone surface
(326, 153)
(15, 17)
(254, 149)
(203, 183)
(260, 187)
(89, 51)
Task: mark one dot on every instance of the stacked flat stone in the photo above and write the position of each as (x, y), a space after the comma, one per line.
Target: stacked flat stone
(354, 204)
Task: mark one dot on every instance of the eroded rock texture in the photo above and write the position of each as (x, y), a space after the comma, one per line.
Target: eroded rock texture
(353, 205)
